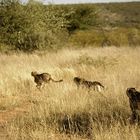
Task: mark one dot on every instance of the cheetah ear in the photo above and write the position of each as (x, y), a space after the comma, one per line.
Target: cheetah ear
(130, 92)
(33, 73)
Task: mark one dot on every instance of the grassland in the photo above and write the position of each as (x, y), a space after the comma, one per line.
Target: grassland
(65, 41)
(60, 111)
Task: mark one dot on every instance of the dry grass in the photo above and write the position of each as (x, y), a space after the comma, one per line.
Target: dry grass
(60, 111)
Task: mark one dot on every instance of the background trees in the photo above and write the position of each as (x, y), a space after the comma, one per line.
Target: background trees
(34, 25)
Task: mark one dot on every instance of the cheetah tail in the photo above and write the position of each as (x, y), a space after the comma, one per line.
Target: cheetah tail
(102, 86)
(57, 81)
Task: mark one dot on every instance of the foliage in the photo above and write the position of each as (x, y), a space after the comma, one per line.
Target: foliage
(35, 26)
(113, 36)
(80, 17)
(30, 27)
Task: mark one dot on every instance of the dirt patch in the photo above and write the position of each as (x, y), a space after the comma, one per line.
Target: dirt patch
(9, 115)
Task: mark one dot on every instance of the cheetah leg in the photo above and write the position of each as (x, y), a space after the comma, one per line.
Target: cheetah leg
(38, 86)
(99, 89)
(43, 85)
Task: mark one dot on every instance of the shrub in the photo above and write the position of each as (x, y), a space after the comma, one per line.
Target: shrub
(113, 37)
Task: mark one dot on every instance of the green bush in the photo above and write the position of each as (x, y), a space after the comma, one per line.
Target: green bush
(31, 26)
(113, 37)
(36, 26)
(87, 38)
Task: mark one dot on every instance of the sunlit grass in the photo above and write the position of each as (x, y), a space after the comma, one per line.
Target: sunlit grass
(60, 111)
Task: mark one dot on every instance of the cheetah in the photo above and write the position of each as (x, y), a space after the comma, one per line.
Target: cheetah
(39, 79)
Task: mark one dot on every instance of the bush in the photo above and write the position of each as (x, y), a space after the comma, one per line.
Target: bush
(30, 27)
(112, 37)
(87, 38)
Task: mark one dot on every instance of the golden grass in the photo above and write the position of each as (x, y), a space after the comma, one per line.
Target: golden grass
(60, 111)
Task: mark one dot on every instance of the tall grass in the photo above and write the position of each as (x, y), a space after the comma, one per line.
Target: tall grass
(60, 111)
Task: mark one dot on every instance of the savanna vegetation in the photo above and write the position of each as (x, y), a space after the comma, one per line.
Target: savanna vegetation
(35, 26)
(94, 41)
(60, 111)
